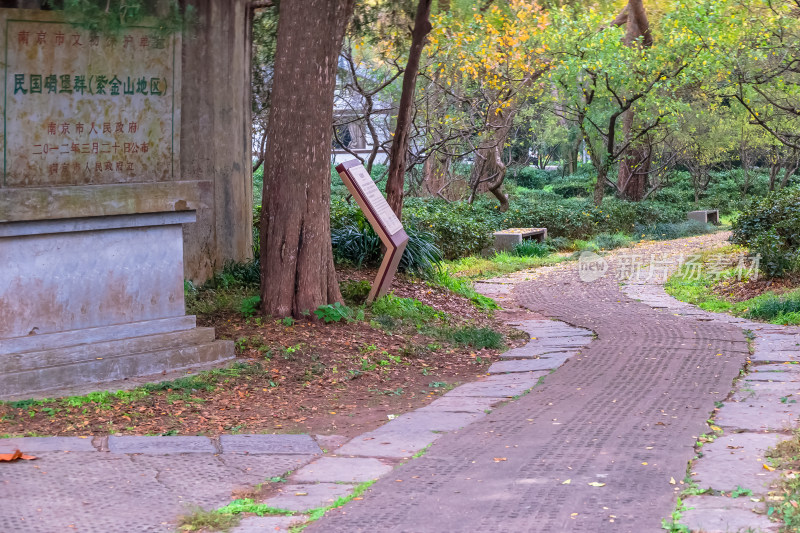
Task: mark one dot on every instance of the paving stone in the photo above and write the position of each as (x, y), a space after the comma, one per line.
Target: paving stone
(262, 524)
(431, 421)
(526, 365)
(536, 353)
(776, 372)
(308, 496)
(330, 442)
(389, 443)
(560, 342)
(502, 385)
(462, 404)
(775, 356)
(777, 342)
(767, 390)
(269, 444)
(718, 514)
(47, 444)
(736, 461)
(344, 469)
(159, 445)
(758, 415)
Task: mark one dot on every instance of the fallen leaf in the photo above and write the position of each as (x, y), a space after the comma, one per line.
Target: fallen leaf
(767, 467)
(597, 484)
(672, 481)
(16, 455)
(567, 482)
(498, 459)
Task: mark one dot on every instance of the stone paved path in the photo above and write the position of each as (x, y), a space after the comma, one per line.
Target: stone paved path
(598, 446)
(624, 413)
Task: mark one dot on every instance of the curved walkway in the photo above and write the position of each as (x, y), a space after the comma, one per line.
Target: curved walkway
(596, 448)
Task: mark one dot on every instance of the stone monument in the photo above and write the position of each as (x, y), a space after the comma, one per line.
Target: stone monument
(92, 204)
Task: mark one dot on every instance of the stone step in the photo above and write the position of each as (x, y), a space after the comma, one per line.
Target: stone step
(97, 351)
(133, 357)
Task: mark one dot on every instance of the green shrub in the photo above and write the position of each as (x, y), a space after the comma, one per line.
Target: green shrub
(532, 177)
(233, 275)
(361, 246)
(531, 248)
(606, 241)
(405, 309)
(559, 243)
(249, 306)
(474, 337)
(462, 287)
(338, 312)
(676, 230)
(771, 227)
(775, 307)
(355, 292)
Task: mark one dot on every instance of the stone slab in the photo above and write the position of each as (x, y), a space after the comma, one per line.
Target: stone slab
(758, 415)
(522, 353)
(269, 444)
(431, 421)
(47, 444)
(462, 404)
(308, 496)
(342, 469)
(160, 445)
(718, 514)
(262, 524)
(767, 391)
(775, 356)
(775, 372)
(526, 365)
(736, 460)
(565, 342)
(389, 443)
(502, 385)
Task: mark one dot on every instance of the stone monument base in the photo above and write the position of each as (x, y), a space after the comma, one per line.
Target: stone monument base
(93, 299)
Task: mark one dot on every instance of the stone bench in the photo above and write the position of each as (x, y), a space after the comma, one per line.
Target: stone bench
(708, 216)
(507, 239)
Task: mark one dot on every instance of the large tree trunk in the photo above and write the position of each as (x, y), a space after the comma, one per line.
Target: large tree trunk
(635, 164)
(397, 154)
(297, 273)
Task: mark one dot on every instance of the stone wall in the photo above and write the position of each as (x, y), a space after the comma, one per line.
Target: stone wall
(215, 135)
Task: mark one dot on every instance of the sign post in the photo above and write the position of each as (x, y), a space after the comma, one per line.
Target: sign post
(383, 221)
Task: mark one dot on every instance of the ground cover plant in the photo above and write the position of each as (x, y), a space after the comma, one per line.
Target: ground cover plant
(722, 284)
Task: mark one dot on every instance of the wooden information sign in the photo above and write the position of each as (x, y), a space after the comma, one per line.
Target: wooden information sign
(381, 217)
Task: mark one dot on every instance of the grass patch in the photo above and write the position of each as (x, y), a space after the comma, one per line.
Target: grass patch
(499, 264)
(687, 285)
(471, 336)
(405, 309)
(462, 287)
(786, 456)
(200, 519)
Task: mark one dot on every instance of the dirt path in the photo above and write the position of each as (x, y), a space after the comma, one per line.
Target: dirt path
(593, 449)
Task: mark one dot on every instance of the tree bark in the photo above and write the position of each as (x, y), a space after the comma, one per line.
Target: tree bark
(397, 154)
(297, 272)
(635, 164)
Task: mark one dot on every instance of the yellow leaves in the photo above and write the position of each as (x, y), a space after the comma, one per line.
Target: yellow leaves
(767, 467)
(596, 484)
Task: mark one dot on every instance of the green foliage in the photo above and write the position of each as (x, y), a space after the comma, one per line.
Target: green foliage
(112, 17)
(606, 241)
(473, 337)
(677, 230)
(249, 306)
(201, 520)
(771, 227)
(359, 244)
(338, 312)
(559, 243)
(355, 292)
(405, 309)
(777, 309)
(462, 287)
(236, 274)
(531, 248)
